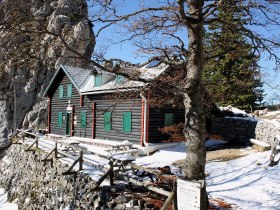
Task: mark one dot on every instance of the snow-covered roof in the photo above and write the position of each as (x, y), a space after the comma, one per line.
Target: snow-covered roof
(89, 88)
(152, 70)
(83, 79)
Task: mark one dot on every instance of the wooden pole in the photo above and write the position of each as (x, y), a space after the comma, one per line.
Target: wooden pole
(168, 201)
(81, 161)
(55, 150)
(111, 176)
(37, 142)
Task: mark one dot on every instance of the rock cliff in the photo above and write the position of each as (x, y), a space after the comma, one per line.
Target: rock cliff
(49, 32)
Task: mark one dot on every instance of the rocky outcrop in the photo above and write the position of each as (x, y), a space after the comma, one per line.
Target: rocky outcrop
(267, 130)
(67, 37)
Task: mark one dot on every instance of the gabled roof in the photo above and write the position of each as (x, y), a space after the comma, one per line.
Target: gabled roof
(83, 79)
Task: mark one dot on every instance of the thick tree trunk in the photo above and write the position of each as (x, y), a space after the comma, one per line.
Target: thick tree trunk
(195, 132)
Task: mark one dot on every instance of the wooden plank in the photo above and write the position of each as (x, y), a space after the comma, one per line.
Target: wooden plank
(154, 189)
(168, 200)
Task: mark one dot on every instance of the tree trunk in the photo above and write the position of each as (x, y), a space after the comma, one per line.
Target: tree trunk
(195, 132)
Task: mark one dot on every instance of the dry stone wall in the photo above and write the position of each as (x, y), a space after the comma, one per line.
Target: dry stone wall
(37, 186)
(234, 129)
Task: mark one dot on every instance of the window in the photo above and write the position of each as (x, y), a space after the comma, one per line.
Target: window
(60, 91)
(60, 119)
(168, 119)
(69, 90)
(83, 123)
(107, 121)
(119, 79)
(127, 121)
(98, 80)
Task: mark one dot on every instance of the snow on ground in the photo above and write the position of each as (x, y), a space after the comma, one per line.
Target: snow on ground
(246, 182)
(3, 202)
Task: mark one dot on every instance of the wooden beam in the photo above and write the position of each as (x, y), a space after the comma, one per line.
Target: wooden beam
(154, 189)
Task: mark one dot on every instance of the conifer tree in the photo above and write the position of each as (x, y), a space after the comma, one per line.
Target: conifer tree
(231, 74)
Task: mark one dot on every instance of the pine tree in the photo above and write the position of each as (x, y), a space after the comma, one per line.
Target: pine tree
(232, 74)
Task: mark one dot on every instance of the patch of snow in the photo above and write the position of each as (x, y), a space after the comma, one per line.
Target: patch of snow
(153, 72)
(234, 110)
(4, 204)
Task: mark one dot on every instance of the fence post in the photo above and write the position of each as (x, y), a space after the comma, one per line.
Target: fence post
(55, 150)
(111, 176)
(37, 143)
(81, 161)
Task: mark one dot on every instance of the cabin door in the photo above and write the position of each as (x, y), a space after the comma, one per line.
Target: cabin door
(68, 123)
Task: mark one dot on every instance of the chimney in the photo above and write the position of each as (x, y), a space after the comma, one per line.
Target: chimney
(108, 64)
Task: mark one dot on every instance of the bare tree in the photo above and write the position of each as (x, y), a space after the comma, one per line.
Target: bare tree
(174, 32)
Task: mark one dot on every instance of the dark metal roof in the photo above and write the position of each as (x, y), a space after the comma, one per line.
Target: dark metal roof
(77, 75)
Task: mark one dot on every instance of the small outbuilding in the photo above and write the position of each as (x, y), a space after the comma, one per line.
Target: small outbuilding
(96, 104)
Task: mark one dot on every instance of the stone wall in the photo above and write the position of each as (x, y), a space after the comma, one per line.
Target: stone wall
(234, 129)
(34, 185)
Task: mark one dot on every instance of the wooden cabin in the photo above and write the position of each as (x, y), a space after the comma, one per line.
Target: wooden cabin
(95, 104)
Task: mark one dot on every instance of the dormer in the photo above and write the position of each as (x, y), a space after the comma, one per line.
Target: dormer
(120, 79)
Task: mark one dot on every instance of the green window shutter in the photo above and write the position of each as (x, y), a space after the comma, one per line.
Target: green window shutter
(127, 121)
(60, 119)
(168, 119)
(98, 80)
(119, 79)
(69, 90)
(107, 121)
(61, 91)
(83, 122)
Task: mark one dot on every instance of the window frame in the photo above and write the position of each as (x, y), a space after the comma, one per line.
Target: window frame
(61, 91)
(107, 121)
(69, 90)
(127, 122)
(59, 119)
(98, 80)
(168, 119)
(83, 123)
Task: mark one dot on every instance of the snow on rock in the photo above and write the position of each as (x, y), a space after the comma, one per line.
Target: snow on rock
(4, 204)
(235, 110)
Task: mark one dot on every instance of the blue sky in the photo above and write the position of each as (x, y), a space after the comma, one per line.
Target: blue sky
(126, 51)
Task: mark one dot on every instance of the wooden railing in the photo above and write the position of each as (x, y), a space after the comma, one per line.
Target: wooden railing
(114, 163)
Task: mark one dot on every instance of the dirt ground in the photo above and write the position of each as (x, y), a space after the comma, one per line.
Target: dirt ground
(225, 153)
(228, 153)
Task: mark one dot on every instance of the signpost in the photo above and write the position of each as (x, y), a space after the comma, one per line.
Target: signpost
(188, 194)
